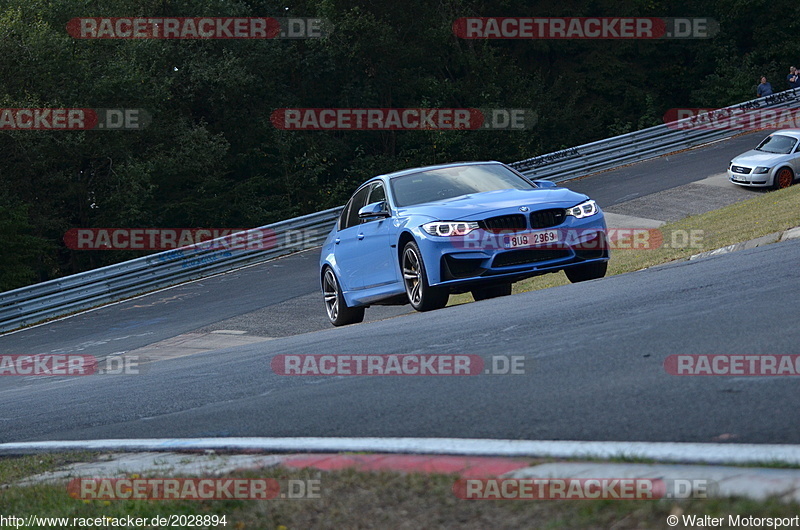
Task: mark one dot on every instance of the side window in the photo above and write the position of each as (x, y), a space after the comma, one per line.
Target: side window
(358, 201)
(343, 216)
(377, 194)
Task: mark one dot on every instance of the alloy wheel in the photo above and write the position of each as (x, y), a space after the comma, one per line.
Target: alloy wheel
(330, 290)
(412, 276)
(785, 178)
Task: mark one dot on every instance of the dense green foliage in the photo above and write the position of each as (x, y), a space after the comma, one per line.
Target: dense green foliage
(211, 157)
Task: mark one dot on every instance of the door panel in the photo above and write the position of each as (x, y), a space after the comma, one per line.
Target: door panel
(346, 248)
(376, 254)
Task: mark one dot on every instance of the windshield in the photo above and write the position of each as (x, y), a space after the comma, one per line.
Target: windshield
(447, 183)
(777, 144)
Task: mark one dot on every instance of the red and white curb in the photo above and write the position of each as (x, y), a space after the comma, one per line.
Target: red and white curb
(124, 464)
(170, 458)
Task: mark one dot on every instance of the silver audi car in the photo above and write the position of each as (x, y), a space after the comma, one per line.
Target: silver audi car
(774, 163)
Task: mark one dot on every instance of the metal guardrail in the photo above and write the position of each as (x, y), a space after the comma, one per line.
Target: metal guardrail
(41, 301)
(54, 298)
(641, 145)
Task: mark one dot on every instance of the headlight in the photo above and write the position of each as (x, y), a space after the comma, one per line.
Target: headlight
(761, 169)
(584, 209)
(450, 228)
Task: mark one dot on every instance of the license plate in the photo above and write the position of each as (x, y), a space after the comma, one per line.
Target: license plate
(528, 239)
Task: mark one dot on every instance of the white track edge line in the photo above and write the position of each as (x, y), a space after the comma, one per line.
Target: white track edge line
(709, 453)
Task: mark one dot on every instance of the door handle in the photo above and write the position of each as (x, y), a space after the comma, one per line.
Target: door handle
(336, 241)
(360, 237)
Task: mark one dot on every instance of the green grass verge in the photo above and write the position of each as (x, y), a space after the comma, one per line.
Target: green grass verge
(14, 469)
(736, 223)
(351, 499)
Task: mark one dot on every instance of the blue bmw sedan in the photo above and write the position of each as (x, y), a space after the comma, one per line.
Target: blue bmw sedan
(419, 235)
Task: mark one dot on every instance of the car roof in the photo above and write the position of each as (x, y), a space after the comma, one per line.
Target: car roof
(440, 166)
(794, 133)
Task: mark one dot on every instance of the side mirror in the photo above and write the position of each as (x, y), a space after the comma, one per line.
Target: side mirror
(544, 183)
(376, 210)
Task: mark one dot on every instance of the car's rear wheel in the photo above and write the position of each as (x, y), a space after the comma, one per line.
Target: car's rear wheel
(589, 271)
(421, 295)
(338, 312)
(783, 178)
(492, 291)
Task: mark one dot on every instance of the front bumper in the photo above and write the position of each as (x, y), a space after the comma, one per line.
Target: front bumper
(755, 180)
(483, 257)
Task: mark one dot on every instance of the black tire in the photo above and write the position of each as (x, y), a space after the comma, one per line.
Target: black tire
(492, 291)
(421, 295)
(335, 306)
(783, 178)
(589, 271)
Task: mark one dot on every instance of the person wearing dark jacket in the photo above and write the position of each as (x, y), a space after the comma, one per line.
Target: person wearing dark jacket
(793, 78)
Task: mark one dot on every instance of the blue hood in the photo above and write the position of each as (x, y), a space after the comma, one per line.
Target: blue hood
(471, 206)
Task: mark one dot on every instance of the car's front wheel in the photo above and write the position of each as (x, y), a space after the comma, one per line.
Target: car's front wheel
(492, 291)
(589, 271)
(338, 312)
(783, 178)
(421, 295)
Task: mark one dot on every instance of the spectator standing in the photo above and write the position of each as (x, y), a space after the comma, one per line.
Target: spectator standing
(764, 89)
(793, 78)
